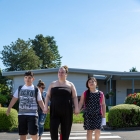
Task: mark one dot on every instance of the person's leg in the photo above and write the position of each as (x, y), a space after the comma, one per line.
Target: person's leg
(41, 122)
(97, 134)
(23, 137)
(39, 117)
(33, 126)
(59, 131)
(34, 137)
(39, 137)
(54, 124)
(89, 134)
(66, 123)
(22, 126)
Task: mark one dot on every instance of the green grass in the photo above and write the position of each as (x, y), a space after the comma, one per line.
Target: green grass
(79, 118)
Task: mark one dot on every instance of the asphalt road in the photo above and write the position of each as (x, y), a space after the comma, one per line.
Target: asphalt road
(123, 134)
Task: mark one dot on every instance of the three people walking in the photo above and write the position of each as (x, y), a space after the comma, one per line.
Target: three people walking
(62, 95)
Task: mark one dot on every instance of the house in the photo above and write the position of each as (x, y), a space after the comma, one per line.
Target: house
(121, 83)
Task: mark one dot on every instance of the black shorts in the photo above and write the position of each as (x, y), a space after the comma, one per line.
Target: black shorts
(27, 124)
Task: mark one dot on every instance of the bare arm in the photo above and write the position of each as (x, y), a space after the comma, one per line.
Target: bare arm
(81, 102)
(103, 107)
(47, 98)
(41, 104)
(13, 101)
(75, 100)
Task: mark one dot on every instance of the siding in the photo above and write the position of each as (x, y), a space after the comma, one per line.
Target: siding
(121, 89)
(79, 80)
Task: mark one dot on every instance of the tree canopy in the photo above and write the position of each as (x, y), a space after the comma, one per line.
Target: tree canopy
(133, 69)
(4, 88)
(20, 55)
(31, 54)
(3, 79)
(47, 50)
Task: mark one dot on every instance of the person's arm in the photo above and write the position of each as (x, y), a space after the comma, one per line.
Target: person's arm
(81, 102)
(13, 101)
(41, 104)
(40, 100)
(75, 100)
(47, 99)
(103, 107)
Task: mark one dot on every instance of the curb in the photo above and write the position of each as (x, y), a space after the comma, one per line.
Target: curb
(125, 128)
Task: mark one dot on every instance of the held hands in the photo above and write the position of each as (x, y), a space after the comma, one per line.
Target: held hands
(76, 111)
(45, 111)
(8, 112)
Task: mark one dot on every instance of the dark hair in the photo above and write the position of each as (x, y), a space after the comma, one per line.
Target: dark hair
(66, 68)
(41, 83)
(88, 91)
(29, 73)
(90, 78)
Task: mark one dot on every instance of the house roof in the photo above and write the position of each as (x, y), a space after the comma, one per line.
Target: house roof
(101, 74)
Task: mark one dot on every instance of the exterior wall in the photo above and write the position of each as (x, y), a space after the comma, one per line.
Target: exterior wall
(121, 89)
(79, 80)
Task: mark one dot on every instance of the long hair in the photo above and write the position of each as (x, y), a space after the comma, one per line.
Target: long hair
(88, 89)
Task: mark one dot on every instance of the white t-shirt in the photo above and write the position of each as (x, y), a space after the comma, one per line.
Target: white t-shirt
(27, 104)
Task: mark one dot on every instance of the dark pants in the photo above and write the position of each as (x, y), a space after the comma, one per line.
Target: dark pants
(66, 123)
(27, 123)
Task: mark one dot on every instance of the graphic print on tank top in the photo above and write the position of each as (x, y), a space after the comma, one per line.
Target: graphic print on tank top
(27, 101)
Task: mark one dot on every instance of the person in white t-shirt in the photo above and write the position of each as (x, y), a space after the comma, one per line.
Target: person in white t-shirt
(28, 107)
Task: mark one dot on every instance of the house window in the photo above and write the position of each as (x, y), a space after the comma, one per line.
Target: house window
(129, 91)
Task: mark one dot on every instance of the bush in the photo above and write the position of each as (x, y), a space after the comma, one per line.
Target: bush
(133, 99)
(3, 99)
(124, 115)
(8, 123)
(47, 122)
(78, 118)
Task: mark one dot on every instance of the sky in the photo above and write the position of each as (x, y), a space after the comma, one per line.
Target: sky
(91, 34)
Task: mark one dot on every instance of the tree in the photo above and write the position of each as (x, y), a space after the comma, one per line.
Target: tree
(19, 55)
(3, 79)
(5, 90)
(133, 69)
(47, 50)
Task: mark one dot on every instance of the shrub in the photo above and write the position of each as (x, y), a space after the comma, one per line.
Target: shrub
(78, 118)
(3, 99)
(8, 123)
(133, 99)
(124, 115)
(47, 122)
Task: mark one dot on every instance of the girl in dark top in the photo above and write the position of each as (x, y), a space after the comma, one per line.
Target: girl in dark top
(41, 115)
(94, 108)
(61, 92)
